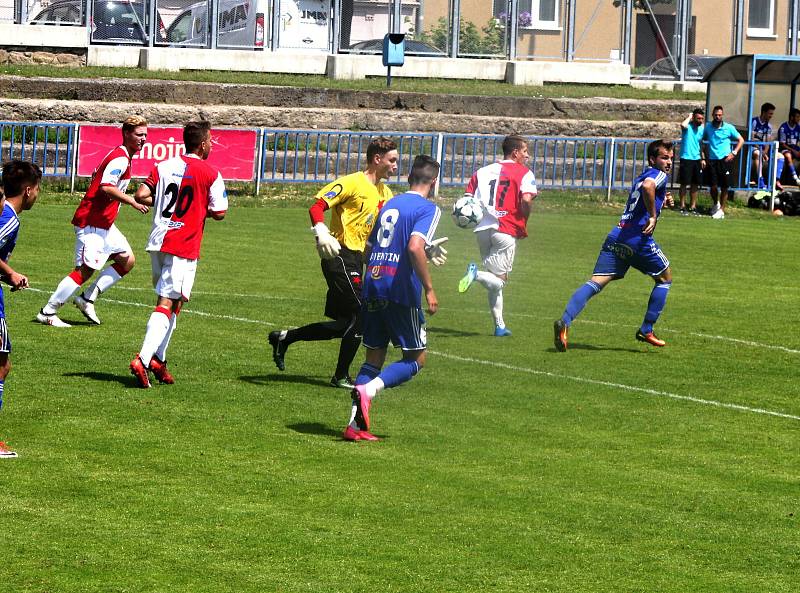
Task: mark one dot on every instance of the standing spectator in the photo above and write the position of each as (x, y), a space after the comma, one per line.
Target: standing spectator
(397, 271)
(506, 190)
(21, 182)
(631, 243)
(692, 162)
(761, 131)
(354, 201)
(719, 157)
(789, 138)
(183, 191)
(97, 238)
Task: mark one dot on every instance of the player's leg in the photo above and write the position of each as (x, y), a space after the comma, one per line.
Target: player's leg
(656, 265)
(48, 314)
(498, 259)
(756, 173)
(5, 368)
(123, 260)
(792, 169)
(341, 304)
(406, 327)
(609, 266)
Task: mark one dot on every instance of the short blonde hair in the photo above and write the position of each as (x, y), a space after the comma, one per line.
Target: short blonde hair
(132, 122)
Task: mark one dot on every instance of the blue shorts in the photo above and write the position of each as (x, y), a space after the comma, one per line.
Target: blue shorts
(616, 257)
(383, 321)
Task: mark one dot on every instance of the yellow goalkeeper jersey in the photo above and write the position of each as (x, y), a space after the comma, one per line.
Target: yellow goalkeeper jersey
(354, 201)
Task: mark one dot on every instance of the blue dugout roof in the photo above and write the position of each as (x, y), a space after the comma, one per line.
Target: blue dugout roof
(741, 83)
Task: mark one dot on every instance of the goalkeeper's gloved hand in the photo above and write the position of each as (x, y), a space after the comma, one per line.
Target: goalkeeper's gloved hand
(437, 254)
(327, 245)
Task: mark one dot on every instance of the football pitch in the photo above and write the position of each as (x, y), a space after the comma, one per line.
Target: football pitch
(504, 465)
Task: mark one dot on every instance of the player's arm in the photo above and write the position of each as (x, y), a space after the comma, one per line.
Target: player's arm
(648, 190)
(735, 151)
(11, 277)
(217, 199)
(419, 261)
(685, 123)
(526, 203)
(144, 194)
(328, 246)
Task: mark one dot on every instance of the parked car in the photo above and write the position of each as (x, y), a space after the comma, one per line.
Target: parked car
(412, 47)
(239, 25)
(118, 21)
(697, 66)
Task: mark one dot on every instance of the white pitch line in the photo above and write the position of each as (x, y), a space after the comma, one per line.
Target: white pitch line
(666, 329)
(183, 311)
(697, 400)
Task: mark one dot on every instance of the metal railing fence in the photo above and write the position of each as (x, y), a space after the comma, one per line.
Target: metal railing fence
(318, 156)
(51, 146)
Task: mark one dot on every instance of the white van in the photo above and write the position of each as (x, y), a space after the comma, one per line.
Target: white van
(240, 24)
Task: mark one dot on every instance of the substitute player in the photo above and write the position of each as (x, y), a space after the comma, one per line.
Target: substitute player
(397, 271)
(789, 138)
(183, 191)
(21, 181)
(631, 243)
(354, 201)
(506, 189)
(761, 131)
(97, 238)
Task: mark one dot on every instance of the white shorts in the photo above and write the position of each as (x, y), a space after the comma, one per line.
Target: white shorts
(93, 245)
(173, 276)
(497, 250)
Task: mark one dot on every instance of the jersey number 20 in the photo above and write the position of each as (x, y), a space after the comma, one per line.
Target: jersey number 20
(179, 201)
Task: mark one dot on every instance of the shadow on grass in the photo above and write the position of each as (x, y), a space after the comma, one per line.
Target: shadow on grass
(447, 331)
(322, 430)
(126, 380)
(315, 428)
(574, 346)
(282, 378)
(78, 323)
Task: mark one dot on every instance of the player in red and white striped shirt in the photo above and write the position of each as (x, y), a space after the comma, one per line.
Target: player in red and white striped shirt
(506, 190)
(97, 238)
(183, 191)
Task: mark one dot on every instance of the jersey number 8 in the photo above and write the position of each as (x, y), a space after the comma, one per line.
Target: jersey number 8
(386, 232)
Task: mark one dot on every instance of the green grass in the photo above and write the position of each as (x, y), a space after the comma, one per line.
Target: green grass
(504, 465)
(420, 85)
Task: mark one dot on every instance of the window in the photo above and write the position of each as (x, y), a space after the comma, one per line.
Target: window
(533, 14)
(761, 18)
(539, 14)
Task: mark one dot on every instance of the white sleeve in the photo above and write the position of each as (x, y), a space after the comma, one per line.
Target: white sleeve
(218, 201)
(114, 170)
(528, 184)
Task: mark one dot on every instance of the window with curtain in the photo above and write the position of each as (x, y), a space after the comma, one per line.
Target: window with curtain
(761, 17)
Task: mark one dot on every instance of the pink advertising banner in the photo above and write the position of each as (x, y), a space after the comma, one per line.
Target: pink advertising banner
(232, 153)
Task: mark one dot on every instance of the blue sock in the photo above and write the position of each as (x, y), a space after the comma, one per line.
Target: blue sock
(399, 372)
(658, 298)
(579, 299)
(779, 170)
(366, 373)
(2, 385)
(792, 169)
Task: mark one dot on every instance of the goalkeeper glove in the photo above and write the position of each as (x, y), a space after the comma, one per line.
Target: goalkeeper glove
(327, 245)
(437, 254)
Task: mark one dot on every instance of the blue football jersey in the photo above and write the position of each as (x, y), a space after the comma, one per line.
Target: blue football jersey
(760, 130)
(789, 135)
(634, 217)
(390, 274)
(9, 226)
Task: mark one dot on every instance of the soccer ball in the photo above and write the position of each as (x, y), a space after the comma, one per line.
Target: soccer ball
(467, 212)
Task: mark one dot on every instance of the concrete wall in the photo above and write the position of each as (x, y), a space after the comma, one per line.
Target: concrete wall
(43, 36)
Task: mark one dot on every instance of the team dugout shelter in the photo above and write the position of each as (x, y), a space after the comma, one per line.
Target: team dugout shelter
(742, 83)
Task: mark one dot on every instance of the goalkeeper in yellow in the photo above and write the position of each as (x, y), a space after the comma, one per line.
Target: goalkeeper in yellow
(354, 201)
